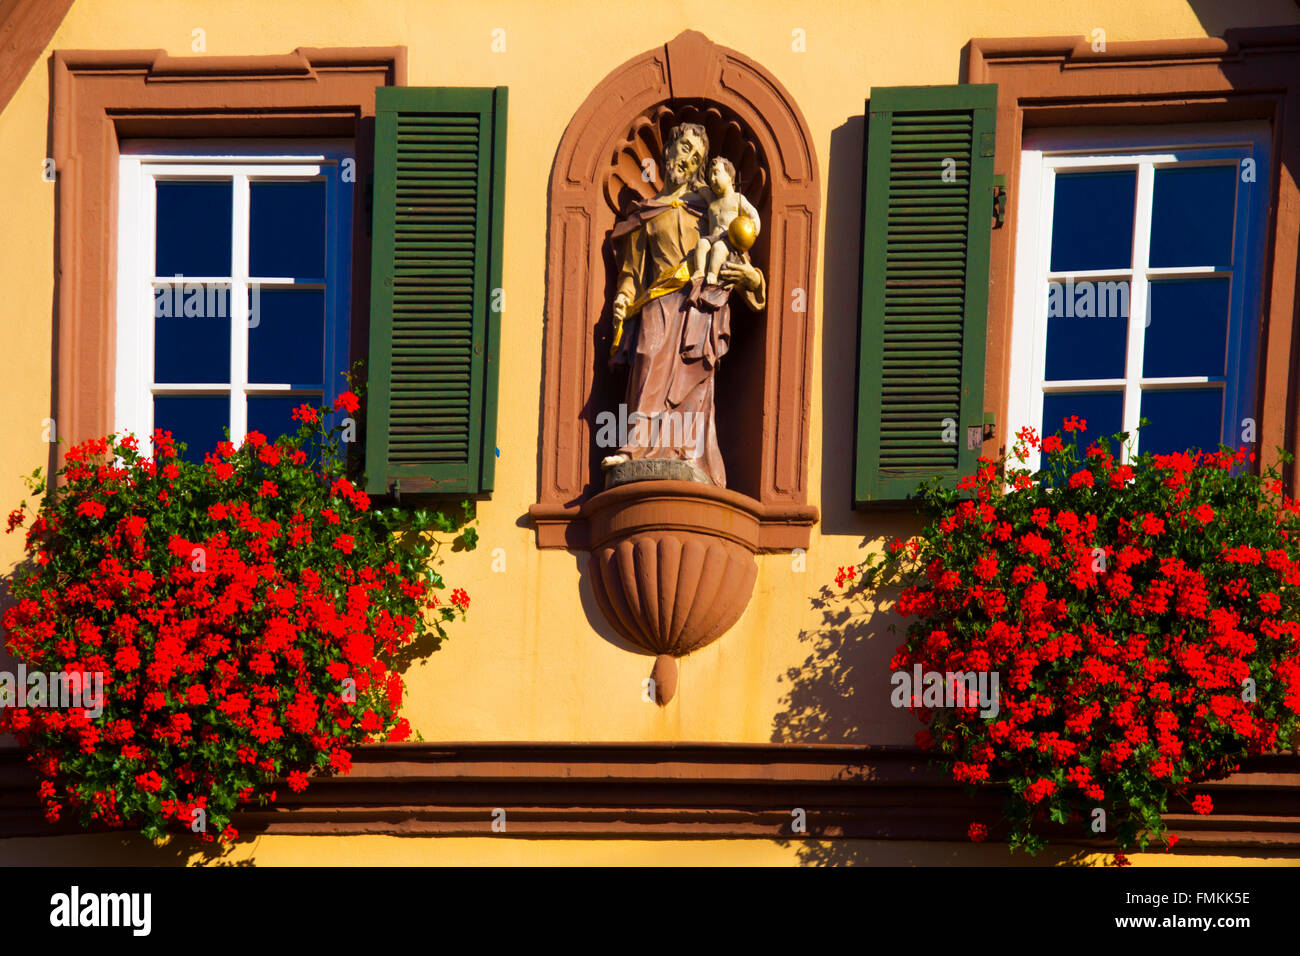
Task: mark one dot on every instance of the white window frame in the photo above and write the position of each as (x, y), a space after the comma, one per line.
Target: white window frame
(142, 164)
(1144, 149)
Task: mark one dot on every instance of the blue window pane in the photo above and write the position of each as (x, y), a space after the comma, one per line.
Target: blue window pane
(272, 414)
(1103, 411)
(192, 237)
(1087, 330)
(287, 229)
(191, 334)
(1188, 330)
(286, 337)
(1092, 220)
(1192, 216)
(198, 420)
(1181, 419)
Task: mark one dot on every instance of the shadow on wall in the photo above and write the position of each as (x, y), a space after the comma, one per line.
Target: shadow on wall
(886, 853)
(114, 849)
(1218, 16)
(840, 308)
(840, 693)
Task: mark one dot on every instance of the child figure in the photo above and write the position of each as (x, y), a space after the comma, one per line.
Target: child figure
(727, 205)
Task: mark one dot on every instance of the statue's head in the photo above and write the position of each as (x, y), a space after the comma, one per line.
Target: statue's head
(721, 175)
(684, 154)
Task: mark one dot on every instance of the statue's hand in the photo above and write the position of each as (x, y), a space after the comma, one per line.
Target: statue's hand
(742, 274)
(620, 307)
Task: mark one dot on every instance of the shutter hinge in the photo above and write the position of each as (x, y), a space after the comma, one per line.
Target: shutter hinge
(999, 201)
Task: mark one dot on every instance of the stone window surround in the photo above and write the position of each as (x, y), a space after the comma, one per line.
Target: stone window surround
(103, 96)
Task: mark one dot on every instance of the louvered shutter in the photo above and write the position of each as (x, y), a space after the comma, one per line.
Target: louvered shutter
(436, 268)
(927, 214)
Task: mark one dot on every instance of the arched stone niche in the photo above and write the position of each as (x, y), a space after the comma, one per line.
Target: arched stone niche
(765, 382)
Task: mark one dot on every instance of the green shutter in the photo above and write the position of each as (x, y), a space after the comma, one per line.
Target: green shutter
(925, 265)
(436, 261)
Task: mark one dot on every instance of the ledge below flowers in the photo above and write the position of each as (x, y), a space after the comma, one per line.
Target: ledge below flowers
(636, 790)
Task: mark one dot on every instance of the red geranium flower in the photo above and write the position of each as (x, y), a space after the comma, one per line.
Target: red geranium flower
(91, 509)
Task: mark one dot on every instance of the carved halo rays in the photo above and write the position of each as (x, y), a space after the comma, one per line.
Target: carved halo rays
(625, 179)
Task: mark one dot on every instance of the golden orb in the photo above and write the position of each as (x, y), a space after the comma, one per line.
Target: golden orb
(742, 232)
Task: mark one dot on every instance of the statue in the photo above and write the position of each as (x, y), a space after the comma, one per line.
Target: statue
(672, 325)
(729, 212)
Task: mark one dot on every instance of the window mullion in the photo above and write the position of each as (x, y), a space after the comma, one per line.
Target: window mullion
(1038, 363)
(134, 399)
(239, 317)
(148, 232)
(1138, 301)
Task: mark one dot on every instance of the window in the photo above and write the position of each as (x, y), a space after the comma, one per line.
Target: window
(211, 134)
(1139, 264)
(234, 286)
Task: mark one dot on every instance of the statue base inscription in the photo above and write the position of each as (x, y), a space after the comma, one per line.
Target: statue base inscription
(654, 469)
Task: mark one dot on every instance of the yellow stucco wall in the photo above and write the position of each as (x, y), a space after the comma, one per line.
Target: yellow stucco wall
(533, 663)
(111, 850)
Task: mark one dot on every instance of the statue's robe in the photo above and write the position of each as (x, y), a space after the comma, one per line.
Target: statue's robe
(673, 344)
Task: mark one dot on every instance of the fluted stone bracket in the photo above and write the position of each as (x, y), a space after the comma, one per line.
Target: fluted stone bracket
(672, 566)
